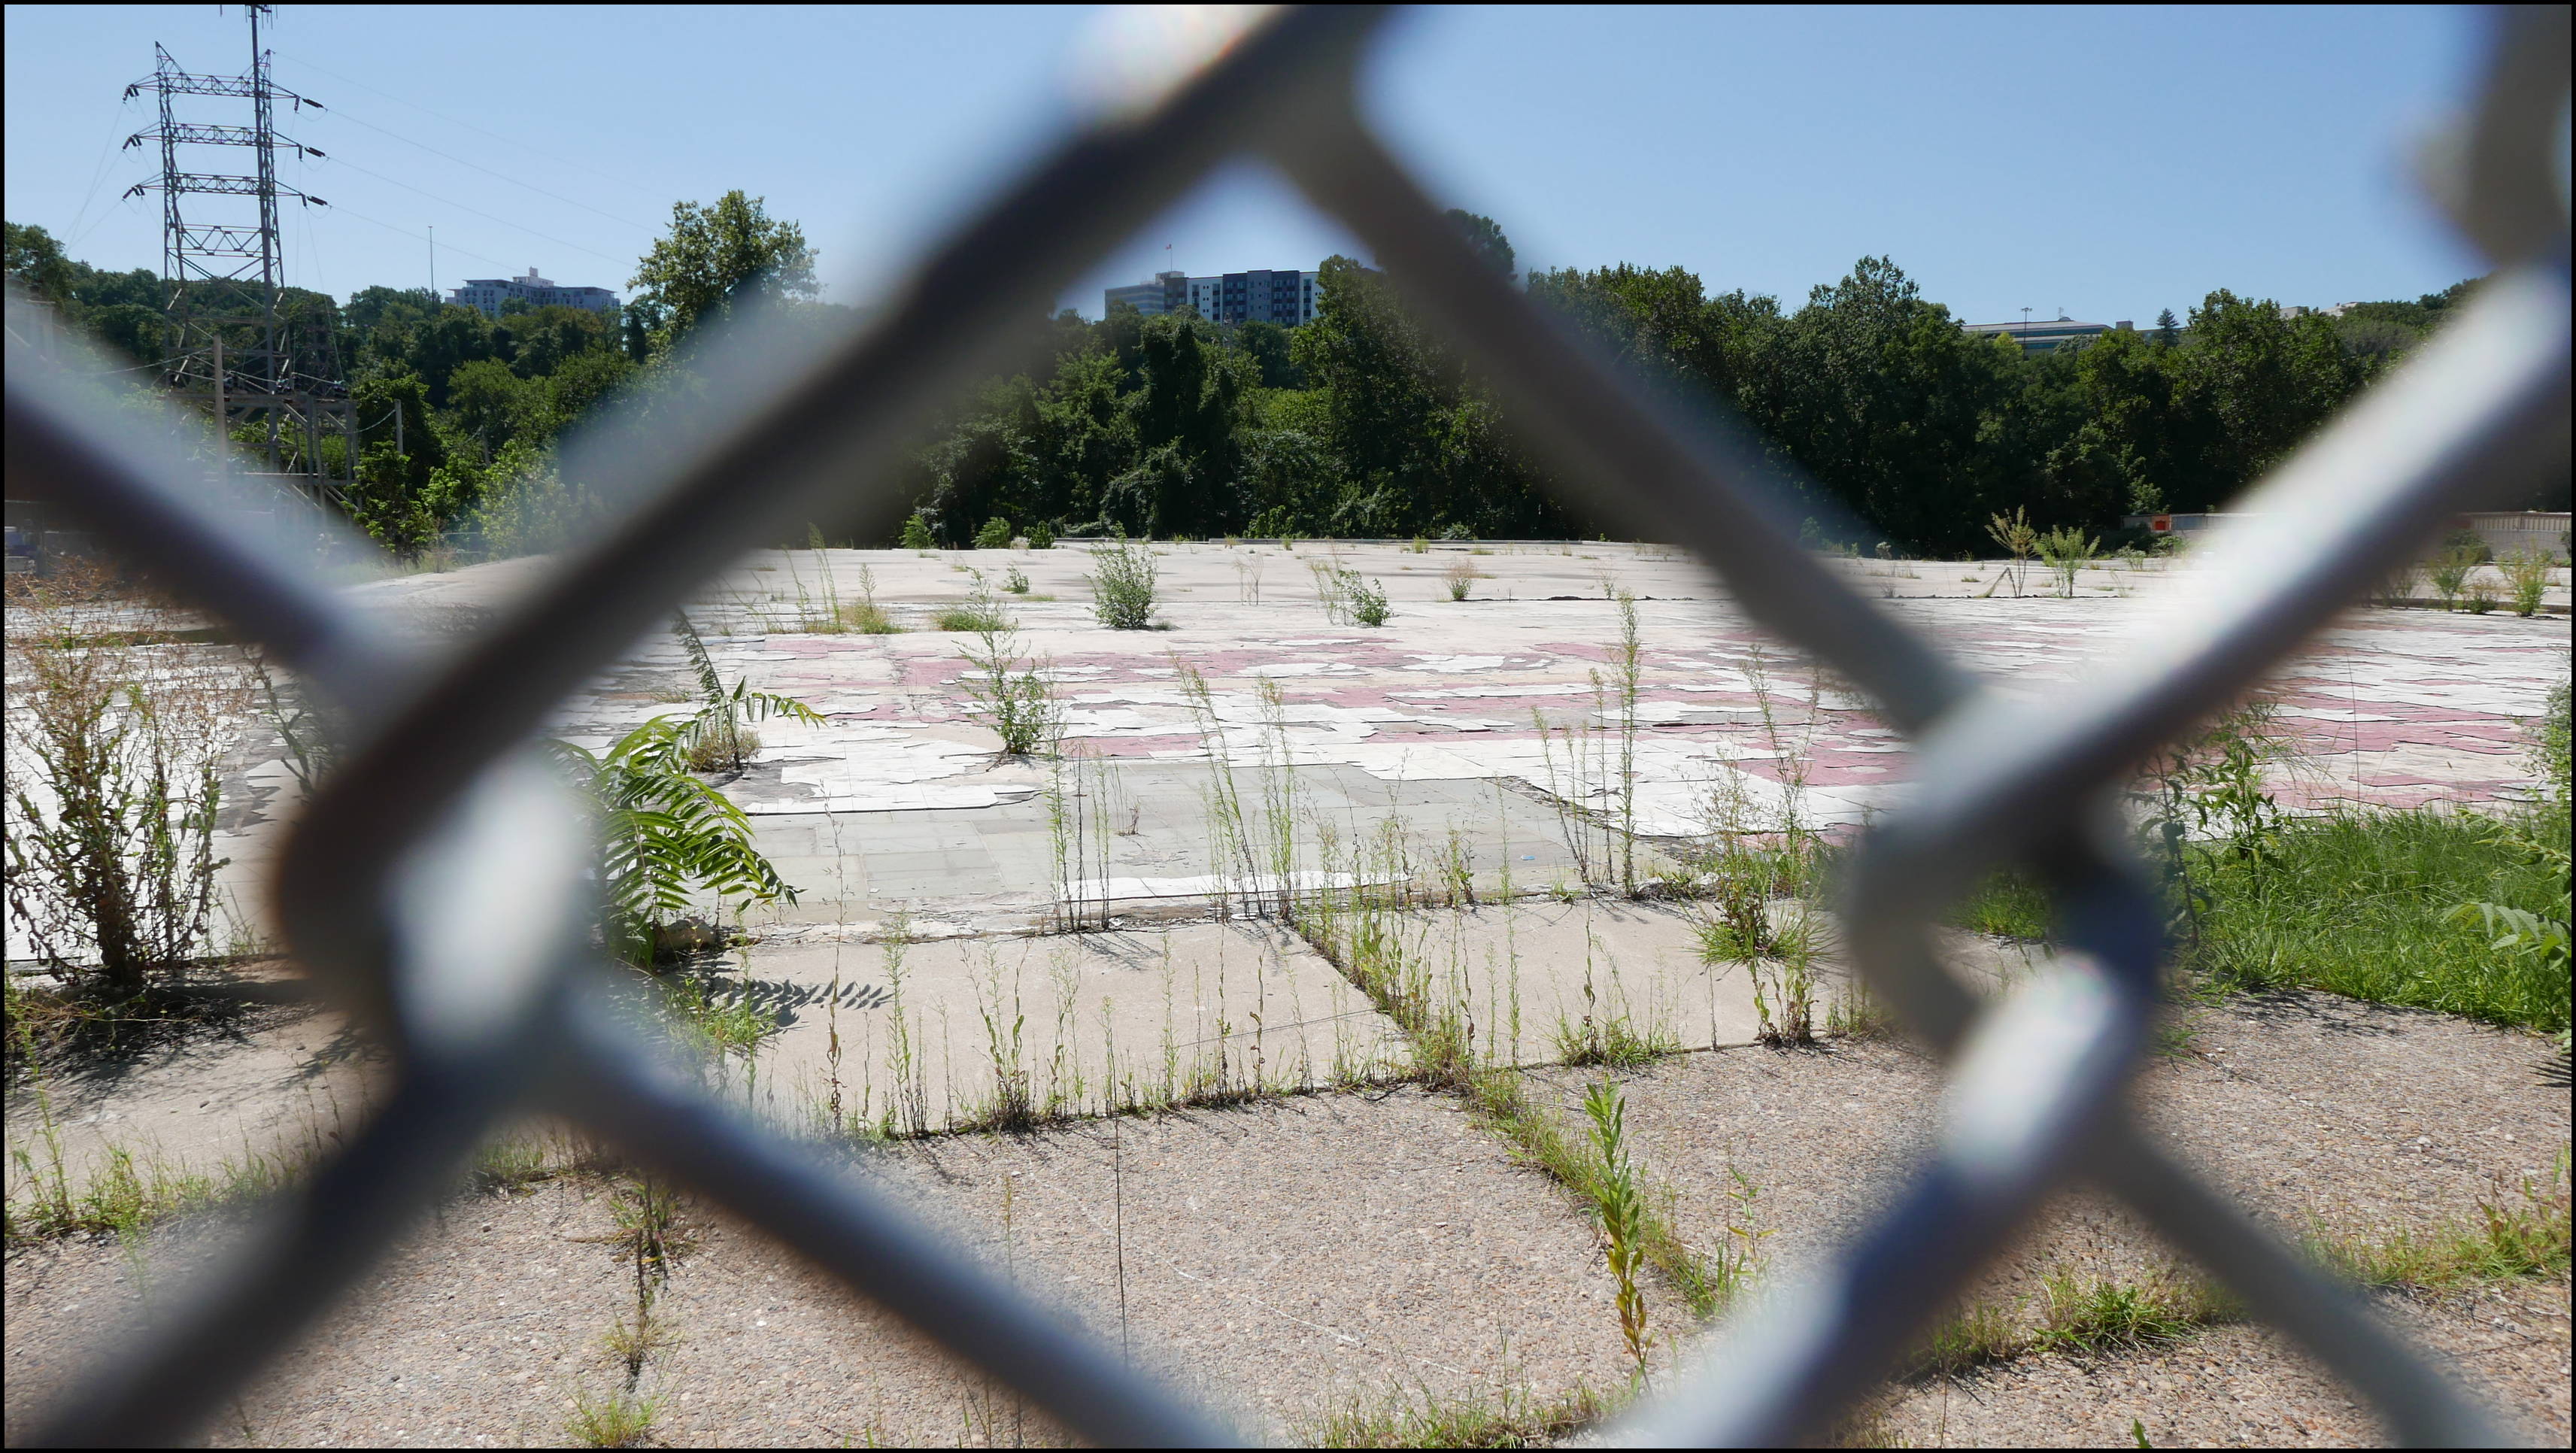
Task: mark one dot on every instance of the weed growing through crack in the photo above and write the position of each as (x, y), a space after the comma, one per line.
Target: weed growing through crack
(982, 614)
(1231, 851)
(2008, 903)
(1011, 693)
(726, 1021)
(1607, 1033)
(1619, 1213)
(1365, 600)
(1358, 930)
(1752, 858)
(650, 1237)
(1461, 577)
(2020, 540)
(2089, 1316)
(907, 1109)
(2450, 570)
(620, 1420)
(1513, 1418)
(1012, 1107)
(864, 615)
(1979, 1334)
(2066, 552)
(1595, 761)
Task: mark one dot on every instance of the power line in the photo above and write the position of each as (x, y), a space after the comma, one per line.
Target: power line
(487, 171)
(631, 186)
(415, 236)
(97, 174)
(477, 211)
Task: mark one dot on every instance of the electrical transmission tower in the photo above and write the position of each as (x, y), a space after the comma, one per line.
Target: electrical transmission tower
(231, 350)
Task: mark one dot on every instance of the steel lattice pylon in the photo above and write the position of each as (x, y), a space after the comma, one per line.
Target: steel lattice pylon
(229, 349)
(506, 1009)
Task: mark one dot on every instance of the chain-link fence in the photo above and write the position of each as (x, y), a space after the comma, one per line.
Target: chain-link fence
(505, 1011)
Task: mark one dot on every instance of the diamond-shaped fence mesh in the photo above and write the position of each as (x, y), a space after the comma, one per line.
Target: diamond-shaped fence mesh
(506, 1011)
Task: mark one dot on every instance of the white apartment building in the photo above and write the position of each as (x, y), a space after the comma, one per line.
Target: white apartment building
(489, 293)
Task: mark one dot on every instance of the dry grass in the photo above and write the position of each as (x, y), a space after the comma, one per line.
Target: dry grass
(2515, 1231)
(1513, 1418)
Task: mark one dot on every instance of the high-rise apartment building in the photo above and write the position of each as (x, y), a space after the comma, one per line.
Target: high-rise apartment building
(1285, 298)
(489, 293)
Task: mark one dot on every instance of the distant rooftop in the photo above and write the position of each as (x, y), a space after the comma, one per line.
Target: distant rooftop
(2046, 337)
(489, 293)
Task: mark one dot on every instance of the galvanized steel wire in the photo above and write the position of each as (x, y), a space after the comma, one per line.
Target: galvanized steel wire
(439, 803)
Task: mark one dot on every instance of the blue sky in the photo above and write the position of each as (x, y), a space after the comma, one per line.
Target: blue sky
(2106, 162)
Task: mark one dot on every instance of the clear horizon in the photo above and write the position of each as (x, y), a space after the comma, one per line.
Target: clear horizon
(2106, 163)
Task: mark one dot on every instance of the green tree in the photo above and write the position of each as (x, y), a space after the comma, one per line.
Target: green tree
(36, 262)
(1888, 404)
(2261, 383)
(488, 403)
(1486, 237)
(541, 340)
(1416, 439)
(1267, 345)
(716, 259)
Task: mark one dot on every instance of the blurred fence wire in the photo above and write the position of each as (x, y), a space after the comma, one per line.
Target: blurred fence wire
(503, 1010)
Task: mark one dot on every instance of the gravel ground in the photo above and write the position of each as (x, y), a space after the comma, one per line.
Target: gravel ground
(475, 1331)
(1287, 1258)
(1296, 1256)
(2247, 1385)
(2367, 1119)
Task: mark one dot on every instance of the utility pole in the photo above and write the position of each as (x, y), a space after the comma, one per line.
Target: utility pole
(225, 276)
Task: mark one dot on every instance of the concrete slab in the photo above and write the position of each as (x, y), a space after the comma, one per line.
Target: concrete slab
(265, 1091)
(999, 866)
(1435, 717)
(1531, 974)
(930, 1032)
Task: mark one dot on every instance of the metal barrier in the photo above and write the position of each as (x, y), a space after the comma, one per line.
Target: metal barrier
(438, 803)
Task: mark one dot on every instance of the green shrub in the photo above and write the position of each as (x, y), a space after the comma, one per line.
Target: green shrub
(2468, 543)
(996, 534)
(1122, 584)
(2526, 574)
(115, 789)
(1041, 535)
(1365, 600)
(916, 533)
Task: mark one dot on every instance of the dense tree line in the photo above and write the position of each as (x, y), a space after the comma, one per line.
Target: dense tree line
(1898, 422)
(457, 411)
